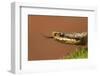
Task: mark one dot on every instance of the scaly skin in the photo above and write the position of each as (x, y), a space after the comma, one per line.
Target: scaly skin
(71, 38)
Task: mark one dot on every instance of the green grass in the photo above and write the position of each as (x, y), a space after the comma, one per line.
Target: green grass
(78, 54)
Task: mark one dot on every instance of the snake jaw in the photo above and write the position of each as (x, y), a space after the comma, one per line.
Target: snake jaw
(67, 40)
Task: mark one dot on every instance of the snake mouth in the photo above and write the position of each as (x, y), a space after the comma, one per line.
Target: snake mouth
(67, 40)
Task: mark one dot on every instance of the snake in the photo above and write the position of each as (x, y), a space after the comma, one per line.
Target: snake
(74, 38)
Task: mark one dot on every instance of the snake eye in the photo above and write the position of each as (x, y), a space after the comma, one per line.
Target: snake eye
(61, 34)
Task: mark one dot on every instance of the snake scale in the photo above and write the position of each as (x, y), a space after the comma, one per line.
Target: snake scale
(75, 38)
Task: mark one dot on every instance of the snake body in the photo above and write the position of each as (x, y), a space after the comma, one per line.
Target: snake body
(70, 38)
